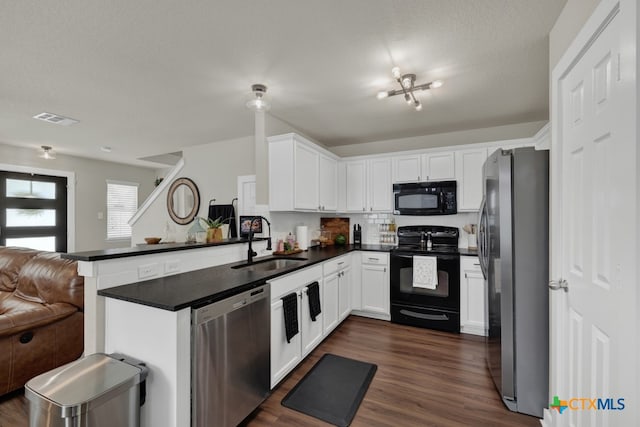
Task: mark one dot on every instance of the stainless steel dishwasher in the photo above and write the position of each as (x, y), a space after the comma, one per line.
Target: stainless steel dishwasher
(231, 358)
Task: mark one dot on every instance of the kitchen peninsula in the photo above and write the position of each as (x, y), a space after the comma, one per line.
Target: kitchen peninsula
(140, 302)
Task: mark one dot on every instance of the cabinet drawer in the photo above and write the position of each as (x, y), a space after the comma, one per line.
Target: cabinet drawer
(469, 263)
(376, 258)
(286, 284)
(336, 264)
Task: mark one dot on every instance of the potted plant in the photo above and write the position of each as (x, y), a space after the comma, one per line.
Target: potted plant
(214, 230)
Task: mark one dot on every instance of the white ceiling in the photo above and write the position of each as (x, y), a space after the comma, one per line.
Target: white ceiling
(148, 77)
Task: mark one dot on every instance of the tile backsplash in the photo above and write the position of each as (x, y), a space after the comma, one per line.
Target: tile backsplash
(374, 225)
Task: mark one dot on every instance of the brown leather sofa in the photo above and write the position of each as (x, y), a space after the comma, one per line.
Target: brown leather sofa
(41, 314)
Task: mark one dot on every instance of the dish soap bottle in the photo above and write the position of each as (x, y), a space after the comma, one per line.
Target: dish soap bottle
(291, 240)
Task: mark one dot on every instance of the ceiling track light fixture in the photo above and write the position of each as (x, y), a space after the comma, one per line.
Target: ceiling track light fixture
(408, 86)
(259, 103)
(47, 153)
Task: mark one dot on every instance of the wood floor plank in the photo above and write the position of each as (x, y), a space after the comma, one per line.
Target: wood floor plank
(424, 378)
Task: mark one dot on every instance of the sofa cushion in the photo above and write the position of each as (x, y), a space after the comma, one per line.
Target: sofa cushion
(18, 315)
(47, 278)
(11, 261)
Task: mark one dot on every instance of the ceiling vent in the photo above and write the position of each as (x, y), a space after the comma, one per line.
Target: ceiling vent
(55, 119)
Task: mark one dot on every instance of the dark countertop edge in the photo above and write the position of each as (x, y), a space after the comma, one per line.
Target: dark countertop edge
(468, 252)
(199, 302)
(246, 285)
(144, 249)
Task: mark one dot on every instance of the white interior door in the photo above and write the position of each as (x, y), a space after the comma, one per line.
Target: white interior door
(594, 325)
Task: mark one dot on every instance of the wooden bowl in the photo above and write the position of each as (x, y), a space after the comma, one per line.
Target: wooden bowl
(152, 240)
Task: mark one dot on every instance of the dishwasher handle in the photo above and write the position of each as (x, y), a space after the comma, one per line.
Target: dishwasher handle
(227, 305)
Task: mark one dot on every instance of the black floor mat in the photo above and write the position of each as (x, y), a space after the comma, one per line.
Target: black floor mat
(332, 390)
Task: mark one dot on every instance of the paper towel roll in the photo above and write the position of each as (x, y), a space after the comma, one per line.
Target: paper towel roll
(302, 235)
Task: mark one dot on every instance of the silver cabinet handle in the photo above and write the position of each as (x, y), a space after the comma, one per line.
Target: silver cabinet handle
(476, 263)
(341, 262)
(555, 285)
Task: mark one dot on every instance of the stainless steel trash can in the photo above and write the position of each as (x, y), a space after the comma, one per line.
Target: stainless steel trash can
(95, 391)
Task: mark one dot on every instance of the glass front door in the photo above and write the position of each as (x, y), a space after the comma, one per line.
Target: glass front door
(33, 211)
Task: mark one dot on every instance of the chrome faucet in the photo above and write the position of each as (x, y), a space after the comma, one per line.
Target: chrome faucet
(251, 253)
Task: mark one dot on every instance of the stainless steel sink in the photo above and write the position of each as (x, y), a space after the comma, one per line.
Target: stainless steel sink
(271, 264)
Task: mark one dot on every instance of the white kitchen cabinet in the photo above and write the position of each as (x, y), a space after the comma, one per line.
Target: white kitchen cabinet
(311, 332)
(407, 168)
(472, 297)
(439, 166)
(344, 293)
(374, 285)
(286, 355)
(302, 176)
(356, 185)
(327, 183)
(330, 303)
(356, 281)
(469, 165)
(368, 185)
(380, 185)
(306, 177)
(337, 291)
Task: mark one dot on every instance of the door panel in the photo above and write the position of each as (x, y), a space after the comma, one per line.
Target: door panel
(34, 211)
(595, 342)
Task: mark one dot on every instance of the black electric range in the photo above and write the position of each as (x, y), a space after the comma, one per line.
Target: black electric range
(435, 306)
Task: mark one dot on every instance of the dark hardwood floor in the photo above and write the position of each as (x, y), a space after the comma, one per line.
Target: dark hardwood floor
(424, 378)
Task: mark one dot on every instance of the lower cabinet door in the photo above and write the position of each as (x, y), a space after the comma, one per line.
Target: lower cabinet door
(375, 289)
(284, 355)
(472, 301)
(311, 331)
(344, 294)
(330, 300)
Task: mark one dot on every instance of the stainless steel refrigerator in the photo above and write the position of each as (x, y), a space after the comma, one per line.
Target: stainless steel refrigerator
(513, 246)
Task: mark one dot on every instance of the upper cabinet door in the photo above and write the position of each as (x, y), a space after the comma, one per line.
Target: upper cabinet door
(328, 184)
(407, 168)
(438, 166)
(306, 177)
(381, 188)
(356, 174)
(469, 176)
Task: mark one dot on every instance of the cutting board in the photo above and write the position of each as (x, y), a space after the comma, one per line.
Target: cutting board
(336, 226)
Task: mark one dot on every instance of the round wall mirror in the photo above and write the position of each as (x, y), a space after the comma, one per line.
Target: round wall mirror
(183, 201)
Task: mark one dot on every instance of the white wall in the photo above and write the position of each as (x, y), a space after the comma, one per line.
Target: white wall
(91, 189)
(498, 133)
(572, 18)
(215, 168)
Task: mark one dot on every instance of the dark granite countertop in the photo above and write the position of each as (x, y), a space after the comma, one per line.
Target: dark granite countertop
(201, 287)
(468, 252)
(143, 249)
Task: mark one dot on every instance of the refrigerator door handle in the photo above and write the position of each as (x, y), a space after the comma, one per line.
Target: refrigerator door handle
(482, 238)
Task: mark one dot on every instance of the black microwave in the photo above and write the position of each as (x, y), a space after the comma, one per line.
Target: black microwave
(425, 198)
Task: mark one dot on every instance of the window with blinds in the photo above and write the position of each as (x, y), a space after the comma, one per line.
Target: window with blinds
(122, 203)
